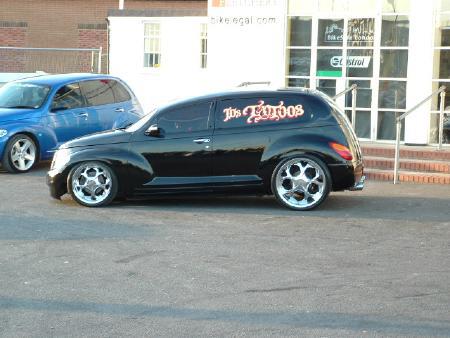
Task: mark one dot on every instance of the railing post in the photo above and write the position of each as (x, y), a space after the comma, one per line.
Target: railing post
(99, 60)
(441, 119)
(354, 93)
(397, 149)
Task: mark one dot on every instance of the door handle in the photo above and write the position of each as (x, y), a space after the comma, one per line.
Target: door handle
(202, 140)
(85, 115)
(119, 110)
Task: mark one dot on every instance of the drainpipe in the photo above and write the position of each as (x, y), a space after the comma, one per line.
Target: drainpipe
(121, 4)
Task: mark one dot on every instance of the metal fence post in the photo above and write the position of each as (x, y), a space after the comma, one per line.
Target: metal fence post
(441, 119)
(354, 93)
(397, 149)
(100, 60)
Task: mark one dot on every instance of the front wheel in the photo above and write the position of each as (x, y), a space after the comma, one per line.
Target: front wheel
(20, 154)
(92, 184)
(301, 183)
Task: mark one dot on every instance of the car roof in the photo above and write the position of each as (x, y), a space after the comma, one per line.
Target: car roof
(58, 79)
(242, 93)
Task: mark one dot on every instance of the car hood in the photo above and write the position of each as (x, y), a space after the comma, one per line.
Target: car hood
(106, 137)
(7, 115)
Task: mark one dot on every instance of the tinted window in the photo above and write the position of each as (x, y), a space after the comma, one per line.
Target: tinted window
(98, 92)
(121, 94)
(186, 119)
(22, 95)
(68, 97)
(268, 110)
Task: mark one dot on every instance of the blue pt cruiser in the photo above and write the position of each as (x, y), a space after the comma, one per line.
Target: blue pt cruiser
(38, 114)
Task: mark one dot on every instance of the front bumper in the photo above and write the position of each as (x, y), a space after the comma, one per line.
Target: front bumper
(56, 182)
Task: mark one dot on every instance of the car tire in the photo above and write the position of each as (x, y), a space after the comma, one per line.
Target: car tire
(92, 184)
(21, 154)
(301, 182)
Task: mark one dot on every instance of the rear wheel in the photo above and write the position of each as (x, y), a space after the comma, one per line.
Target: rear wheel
(92, 184)
(20, 154)
(301, 183)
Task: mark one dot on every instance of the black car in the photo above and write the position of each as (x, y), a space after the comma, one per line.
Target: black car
(295, 144)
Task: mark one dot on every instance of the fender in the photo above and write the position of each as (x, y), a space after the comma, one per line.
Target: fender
(125, 163)
(305, 142)
(26, 126)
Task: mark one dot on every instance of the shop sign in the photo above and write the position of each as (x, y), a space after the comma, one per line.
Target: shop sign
(333, 33)
(360, 30)
(352, 61)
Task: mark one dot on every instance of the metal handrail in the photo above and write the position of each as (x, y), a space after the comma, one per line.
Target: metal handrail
(354, 89)
(399, 119)
(248, 83)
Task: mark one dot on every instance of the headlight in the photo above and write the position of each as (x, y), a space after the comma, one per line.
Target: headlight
(61, 158)
(3, 132)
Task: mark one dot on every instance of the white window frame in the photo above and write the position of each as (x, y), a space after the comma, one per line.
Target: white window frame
(153, 39)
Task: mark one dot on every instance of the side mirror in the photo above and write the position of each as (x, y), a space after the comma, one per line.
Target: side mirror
(153, 130)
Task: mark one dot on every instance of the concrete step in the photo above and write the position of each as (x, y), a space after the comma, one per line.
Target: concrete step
(407, 176)
(386, 163)
(406, 152)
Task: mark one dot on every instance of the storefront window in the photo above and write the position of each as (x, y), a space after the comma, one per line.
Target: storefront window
(359, 62)
(387, 125)
(327, 86)
(298, 82)
(362, 123)
(329, 62)
(299, 62)
(330, 32)
(364, 94)
(393, 63)
(300, 31)
(392, 94)
(394, 31)
(360, 32)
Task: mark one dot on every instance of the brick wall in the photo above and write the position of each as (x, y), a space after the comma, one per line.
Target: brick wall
(12, 34)
(64, 24)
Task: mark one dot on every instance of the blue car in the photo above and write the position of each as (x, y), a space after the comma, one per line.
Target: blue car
(38, 114)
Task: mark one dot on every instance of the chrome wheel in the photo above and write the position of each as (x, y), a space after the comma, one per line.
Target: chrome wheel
(93, 184)
(301, 183)
(23, 154)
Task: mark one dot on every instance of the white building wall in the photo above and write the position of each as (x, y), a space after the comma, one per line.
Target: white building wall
(246, 43)
(420, 71)
(179, 74)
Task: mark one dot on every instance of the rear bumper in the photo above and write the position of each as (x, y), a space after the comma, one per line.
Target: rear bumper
(359, 185)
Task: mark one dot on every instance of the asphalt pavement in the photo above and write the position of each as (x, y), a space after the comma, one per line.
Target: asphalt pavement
(374, 263)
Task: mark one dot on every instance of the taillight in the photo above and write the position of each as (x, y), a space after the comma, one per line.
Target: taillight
(343, 151)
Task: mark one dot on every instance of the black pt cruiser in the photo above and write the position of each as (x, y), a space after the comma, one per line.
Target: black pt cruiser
(295, 144)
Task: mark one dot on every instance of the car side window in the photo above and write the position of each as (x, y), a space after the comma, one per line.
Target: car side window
(186, 119)
(68, 97)
(259, 111)
(121, 94)
(98, 92)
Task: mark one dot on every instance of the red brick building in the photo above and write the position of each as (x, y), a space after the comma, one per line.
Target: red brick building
(65, 24)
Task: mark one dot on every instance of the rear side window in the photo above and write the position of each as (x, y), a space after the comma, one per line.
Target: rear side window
(68, 97)
(121, 94)
(187, 119)
(259, 111)
(98, 92)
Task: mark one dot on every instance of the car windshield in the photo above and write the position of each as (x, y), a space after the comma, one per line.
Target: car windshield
(139, 124)
(23, 95)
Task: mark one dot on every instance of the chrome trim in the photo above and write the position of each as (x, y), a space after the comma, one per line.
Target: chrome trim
(359, 185)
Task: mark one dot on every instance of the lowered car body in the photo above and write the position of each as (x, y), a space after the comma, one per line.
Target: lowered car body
(294, 144)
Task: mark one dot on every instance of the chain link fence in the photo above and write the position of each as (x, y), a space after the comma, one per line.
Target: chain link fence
(52, 60)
